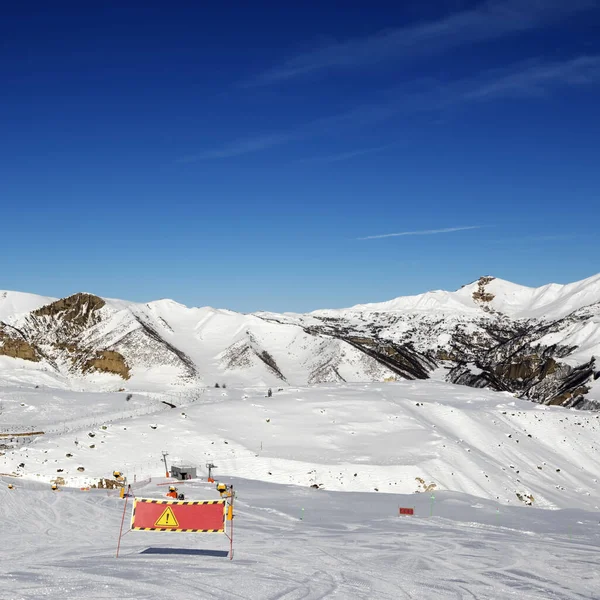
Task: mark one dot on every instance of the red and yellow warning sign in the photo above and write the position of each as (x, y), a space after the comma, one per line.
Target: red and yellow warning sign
(203, 516)
(167, 519)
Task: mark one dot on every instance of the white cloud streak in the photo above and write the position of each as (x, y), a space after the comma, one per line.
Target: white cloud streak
(490, 20)
(242, 146)
(536, 77)
(422, 232)
(525, 79)
(332, 158)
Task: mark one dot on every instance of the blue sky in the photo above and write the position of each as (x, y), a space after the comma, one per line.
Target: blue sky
(294, 156)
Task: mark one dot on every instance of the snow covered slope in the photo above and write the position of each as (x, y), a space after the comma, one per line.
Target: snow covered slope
(293, 543)
(403, 437)
(160, 344)
(15, 303)
(552, 301)
(539, 343)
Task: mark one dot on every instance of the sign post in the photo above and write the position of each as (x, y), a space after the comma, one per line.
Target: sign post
(123, 520)
(230, 519)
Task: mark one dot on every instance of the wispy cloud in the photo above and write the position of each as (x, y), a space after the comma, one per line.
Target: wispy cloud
(421, 232)
(355, 117)
(529, 78)
(242, 146)
(492, 19)
(535, 77)
(332, 158)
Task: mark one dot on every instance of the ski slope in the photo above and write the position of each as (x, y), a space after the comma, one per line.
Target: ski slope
(296, 543)
(460, 456)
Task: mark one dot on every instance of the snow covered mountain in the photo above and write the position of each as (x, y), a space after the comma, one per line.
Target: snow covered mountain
(538, 343)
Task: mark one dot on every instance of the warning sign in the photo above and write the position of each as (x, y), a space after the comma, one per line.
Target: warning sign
(203, 516)
(167, 519)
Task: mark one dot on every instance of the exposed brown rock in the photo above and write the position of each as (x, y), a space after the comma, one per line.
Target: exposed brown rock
(108, 484)
(523, 368)
(108, 361)
(17, 348)
(442, 354)
(481, 295)
(527, 367)
(78, 309)
(562, 398)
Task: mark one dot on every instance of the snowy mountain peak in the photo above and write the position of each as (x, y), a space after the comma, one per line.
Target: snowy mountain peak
(489, 293)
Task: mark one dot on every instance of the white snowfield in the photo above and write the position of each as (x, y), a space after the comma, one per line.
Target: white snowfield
(296, 543)
(506, 492)
(16, 303)
(390, 437)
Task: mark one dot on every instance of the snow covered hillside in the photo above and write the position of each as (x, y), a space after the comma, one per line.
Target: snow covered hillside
(552, 301)
(402, 437)
(537, 343)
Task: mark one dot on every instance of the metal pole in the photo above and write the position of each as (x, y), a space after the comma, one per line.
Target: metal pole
(122, 521)
(231, 530)
(165, 454)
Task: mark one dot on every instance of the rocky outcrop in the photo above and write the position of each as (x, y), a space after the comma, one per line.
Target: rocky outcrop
(402, 360)
(61, 328)
(108, 361)
(79, 309)
(480, 295)
(246, 353)
(16, 346)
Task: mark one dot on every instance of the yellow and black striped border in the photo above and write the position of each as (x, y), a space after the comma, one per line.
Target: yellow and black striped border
(152, 501)
(179, 530)
(178, 502)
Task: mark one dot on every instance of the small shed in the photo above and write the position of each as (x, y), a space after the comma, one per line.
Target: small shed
(183, 472)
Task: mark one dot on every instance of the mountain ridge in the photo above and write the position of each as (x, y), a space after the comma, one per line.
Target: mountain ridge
(539, 343)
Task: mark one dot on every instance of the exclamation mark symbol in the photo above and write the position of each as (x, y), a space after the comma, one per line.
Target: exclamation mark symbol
(167, 515)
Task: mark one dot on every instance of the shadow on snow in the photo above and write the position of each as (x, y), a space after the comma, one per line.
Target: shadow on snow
(188, 551)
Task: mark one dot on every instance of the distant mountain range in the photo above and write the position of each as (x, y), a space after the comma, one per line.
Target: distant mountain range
(538, 343)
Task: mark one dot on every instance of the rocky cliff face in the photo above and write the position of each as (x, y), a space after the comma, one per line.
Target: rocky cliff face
(57, 334)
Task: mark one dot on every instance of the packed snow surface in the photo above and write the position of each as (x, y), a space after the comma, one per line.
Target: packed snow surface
(484, 464)
(296, 543)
